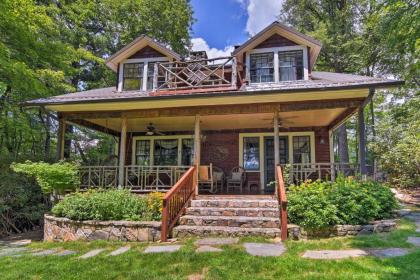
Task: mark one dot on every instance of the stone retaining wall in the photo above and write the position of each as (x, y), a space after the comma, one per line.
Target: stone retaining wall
(296, 233)
(63, 229)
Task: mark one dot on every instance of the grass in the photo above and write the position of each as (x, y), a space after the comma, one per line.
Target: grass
(232, 263)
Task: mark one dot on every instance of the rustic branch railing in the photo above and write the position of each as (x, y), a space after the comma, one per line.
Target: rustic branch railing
(98, 176)
(176, 200)
(281, 196)
(214, 72)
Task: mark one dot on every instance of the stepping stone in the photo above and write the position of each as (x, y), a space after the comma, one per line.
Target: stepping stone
(65, 253)
(92, 253)
(11, 251)
(162, 249)
(206, 248)
(334, 254)
(388, 252)
(414, 240)
(22, 242)
(265, 249)
(44, 252)
(216, 241)
(417, 226)
(119, 251)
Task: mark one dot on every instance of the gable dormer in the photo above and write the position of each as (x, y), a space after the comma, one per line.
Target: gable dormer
(277, 54)
(135, 62)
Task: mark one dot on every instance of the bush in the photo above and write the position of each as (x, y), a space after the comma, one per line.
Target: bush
(57, 177)
(106, 205)
(154, 204)
(316, 205)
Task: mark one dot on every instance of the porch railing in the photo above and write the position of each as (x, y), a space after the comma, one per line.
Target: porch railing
(282, 198)
(216, 72)
(137, 178)
(176, 200)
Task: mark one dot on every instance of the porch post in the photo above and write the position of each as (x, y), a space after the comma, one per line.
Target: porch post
(362, 141)
(276, 139)
(197, 147)
(60, 138)
(121, 161)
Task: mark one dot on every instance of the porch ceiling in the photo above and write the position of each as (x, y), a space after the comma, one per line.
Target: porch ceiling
(230, 121)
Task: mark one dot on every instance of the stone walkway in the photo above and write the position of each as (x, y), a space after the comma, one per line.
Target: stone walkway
(265, 249)
(334, 254)
(162, 249)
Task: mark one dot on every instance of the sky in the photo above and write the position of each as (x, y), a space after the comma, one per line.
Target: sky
(222, 24)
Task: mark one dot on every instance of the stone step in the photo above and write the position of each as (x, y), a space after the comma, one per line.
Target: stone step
(186, 231)
(232, 211)
(235, 203)
(230, 221)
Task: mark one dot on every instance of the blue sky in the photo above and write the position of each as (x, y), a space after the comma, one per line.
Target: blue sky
(221, 24)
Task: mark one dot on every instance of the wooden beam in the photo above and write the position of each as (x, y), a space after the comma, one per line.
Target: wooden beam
(276, 139)
(362, 141)
(321, 104)
(60, 138)
(121, 163)
(197, 147)
(95, 126)
(342, 118)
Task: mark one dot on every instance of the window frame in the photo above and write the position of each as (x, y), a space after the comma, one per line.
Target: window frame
(275, 51)
(145, 62)
(258, 152)
(267, 68)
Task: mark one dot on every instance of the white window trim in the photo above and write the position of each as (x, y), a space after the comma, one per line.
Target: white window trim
(261, 135)
(152, 145)
(145, 62)
(276, 51)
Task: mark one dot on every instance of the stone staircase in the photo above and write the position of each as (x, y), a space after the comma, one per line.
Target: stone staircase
(232, 215)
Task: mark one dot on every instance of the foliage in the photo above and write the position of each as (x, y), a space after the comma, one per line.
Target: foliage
(58, 177)
(155, 205)
(320, 204)
(106, 205)
(21, 204)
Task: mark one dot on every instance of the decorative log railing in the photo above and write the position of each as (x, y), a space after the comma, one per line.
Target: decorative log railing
(216, 72)
(281, 196)
(176, 201)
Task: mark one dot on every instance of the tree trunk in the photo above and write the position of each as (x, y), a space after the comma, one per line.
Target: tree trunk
(343, 149)
(67, 140)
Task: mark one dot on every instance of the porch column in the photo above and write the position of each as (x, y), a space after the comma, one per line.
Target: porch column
(121, 161)
(276, 139)
(197, 146)
(60, 138)
(362, 141)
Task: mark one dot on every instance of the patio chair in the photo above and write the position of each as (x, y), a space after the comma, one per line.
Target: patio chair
(236, 179)
(218, 178)
(205, 178)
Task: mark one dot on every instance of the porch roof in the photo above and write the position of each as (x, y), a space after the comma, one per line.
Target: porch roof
(319, 81)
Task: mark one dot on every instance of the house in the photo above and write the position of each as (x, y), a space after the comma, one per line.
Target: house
(171, 112)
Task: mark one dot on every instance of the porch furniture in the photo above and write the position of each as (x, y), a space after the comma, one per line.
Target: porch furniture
(205, 178)
(236, 179)
(219, 178)
(251, 183)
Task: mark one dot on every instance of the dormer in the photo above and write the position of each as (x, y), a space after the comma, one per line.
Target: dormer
(277, 54)
(135, 63)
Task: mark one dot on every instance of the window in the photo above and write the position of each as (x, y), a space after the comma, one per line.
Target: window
(166, 152)
(262, 68)
(133, 76)
(291, 65)
(143, 152)
(301, 149)
(251, 153)
(187, 152)
(150, 72)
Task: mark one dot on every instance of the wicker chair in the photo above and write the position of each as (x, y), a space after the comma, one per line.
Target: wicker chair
(218, 179)
(205, 178)
(236, 179)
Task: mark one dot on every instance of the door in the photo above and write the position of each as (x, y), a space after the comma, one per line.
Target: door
(269, 172)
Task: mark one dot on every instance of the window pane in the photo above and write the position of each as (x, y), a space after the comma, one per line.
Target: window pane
(166, 152)
(301, 149)
(133, 76)
(251, 153)
(143, 152)
(262, 68)
(291, 65)
(187, 152)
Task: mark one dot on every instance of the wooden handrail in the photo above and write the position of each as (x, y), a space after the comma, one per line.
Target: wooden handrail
(282, 198)
(176, 200)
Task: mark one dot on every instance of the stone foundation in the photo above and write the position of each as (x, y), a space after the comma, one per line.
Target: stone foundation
(296, 233)
(63, 229)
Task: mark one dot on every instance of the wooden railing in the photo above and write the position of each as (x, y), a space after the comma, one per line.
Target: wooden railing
(216, 72)
(176, 200)
(98, 176)
(281, 196)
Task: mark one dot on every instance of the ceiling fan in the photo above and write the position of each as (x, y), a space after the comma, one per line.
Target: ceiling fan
(151, 130)
(283, 121)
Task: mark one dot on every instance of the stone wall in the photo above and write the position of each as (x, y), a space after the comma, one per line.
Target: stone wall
(63, 229)
(296, 233)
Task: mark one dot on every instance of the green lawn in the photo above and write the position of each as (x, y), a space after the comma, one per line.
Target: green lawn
(232, 263)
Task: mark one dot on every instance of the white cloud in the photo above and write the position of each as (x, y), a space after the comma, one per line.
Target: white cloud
(260, 13)
(199, 44)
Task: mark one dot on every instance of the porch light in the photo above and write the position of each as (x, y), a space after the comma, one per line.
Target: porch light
(322, 141)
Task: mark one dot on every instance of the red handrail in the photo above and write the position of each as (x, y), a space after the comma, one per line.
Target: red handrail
(281, 196)
(176, 200)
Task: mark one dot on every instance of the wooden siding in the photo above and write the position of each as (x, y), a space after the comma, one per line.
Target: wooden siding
(147, 52)
(275, 40)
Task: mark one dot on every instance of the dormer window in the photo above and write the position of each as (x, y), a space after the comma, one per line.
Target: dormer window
(133, 76)
(291, 65)
(262, 68)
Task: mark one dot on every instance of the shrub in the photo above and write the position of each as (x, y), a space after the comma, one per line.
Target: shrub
(154, 204)
(106, 205)
(58, 177)
(316, 205)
